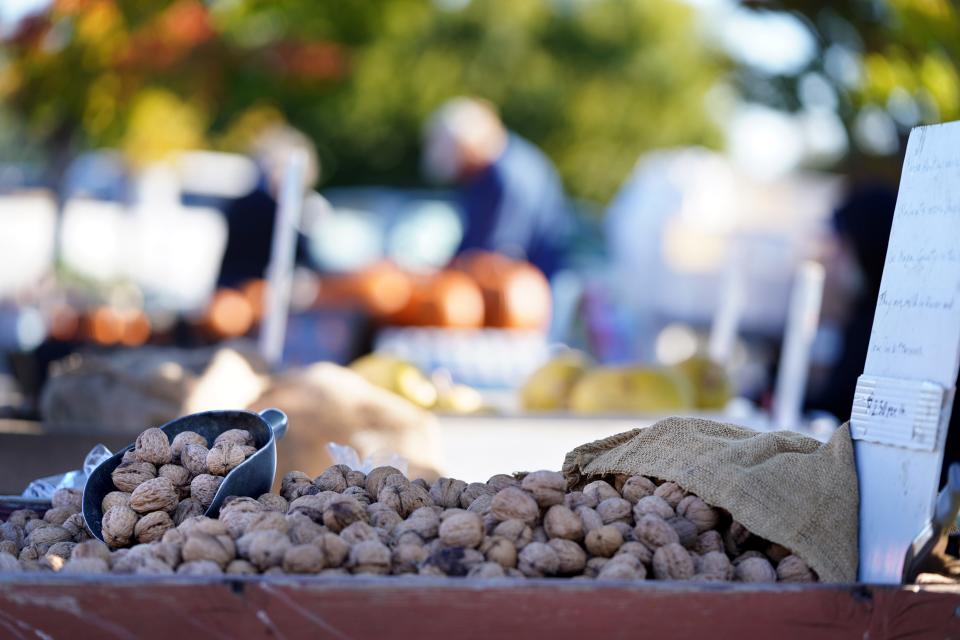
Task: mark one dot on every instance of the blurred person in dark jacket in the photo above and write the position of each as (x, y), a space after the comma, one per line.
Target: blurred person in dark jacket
(251, 218)
(510, 192)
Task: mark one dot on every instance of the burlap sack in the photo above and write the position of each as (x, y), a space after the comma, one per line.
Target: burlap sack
(783, 486)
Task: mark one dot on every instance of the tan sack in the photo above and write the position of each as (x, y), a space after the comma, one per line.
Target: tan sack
(782, 486)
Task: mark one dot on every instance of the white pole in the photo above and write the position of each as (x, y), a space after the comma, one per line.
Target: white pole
(282, 253)
(803, 317)
(726, 321)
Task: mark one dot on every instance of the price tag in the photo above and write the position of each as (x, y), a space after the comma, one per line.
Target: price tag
(902, 404)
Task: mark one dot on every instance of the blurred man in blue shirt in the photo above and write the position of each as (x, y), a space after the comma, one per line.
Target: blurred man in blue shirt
(510, 191)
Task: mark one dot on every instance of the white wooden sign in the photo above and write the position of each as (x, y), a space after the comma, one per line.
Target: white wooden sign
(903, 400)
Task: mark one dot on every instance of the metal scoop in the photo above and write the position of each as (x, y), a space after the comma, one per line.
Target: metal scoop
(253, 477)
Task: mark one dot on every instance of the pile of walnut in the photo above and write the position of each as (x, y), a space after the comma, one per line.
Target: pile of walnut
(162, 483)
(346, 522)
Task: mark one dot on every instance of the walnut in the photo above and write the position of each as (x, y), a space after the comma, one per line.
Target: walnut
(293, 484)
(671, 493)
(501, 481)
(30, 552)
(538, 559)
(593, 566)
(332, 479)
(168, 551)
(9, 564)
(240, 568)
(450, 561)
(626, 530)
(473, 492)
(21, 517)
(481, 505)
(571, 557)
(590, 518)
(9, 546)
(117, 525)
(182, 439)
(62, 550)
(235, 436)
(547, 487)
(576, 499)
(194, 459)
(423, 522)
(224, 457)
(637, 487)
(303, 530)
(274, 502)
(359, 532)
(91, 549)
(698, 512)
(561, 522)
(179, 476)
(735, 537)
(499, 550)
(129, 475)
(370, 556)
(404, 499)
(513, 503)
(303, 558)
(614, 510)
(157, 494)
(44, 537)
(312, 506)
(356, 478)
(383, 517)
(708, 541)
(406, 558)
(83, 566)
(755, 570)
(376, 478)
(486, 570)
(638, 550)
(603, 541)
(446, 492)
(202, 524)
(115, 499)
(342, 512)
(129, 456)
(653, 505)
(59, 515)
(686, 530)
(654, 532)
(204, 488)
(199, 568)
(462, 530)
(202, 546)
(516, 531)
(265, 548)
(67, 498)
(237, 513)
(33, 525)
(12, 532)
(359, 494)
(716, 565)
(153, 446)
(598, 491)
(793, 569)
(269, 521)
(624, 567)
(187, 508)
(335, 549)
(152, 526)
(672, 562)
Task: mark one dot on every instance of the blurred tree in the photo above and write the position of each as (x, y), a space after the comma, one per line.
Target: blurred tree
(893, 63)
(594, 83)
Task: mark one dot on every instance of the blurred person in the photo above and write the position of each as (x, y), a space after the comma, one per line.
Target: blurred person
(251, 218)
(510, 192)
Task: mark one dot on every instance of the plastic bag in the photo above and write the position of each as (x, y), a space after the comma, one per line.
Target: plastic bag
(345, 454)
(43, 488)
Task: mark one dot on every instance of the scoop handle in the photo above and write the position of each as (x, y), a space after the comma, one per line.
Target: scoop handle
(276, 420)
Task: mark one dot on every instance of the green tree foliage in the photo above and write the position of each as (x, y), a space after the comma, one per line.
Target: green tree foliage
(594, 82)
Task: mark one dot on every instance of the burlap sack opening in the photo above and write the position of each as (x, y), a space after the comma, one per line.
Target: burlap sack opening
(783, 486)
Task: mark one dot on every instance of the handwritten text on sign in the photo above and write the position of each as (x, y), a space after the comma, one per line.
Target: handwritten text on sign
(905, 413)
